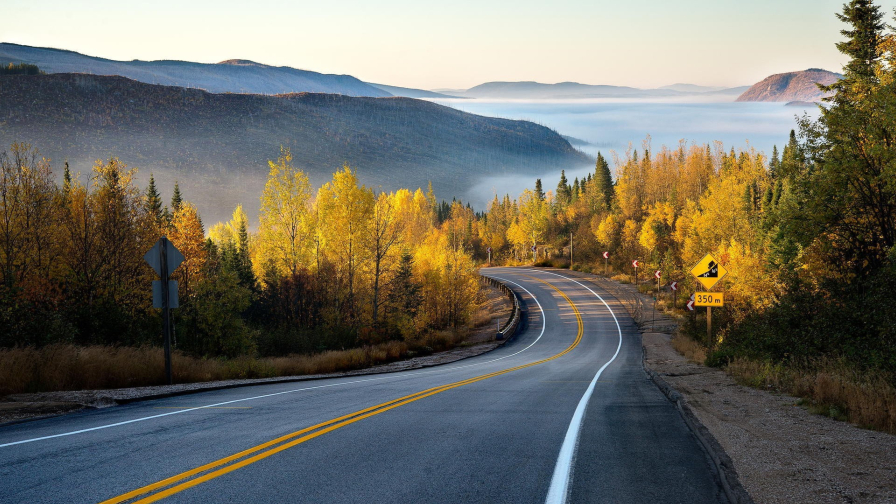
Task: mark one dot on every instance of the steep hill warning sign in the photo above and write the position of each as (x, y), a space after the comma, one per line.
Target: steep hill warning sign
(708, 271)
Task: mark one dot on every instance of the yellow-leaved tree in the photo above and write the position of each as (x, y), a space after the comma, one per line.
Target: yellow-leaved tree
(344, 212)
(533, 219)
(186, 233)
(285, 219)
(383, 237)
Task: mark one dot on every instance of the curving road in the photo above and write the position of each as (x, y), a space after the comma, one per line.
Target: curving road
(562, 413)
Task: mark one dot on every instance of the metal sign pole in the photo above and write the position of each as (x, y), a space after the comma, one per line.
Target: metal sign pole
(570, 250)
(709, 328)
(166, 311)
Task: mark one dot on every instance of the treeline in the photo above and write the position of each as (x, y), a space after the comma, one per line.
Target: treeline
(20, 69)
(343, 267)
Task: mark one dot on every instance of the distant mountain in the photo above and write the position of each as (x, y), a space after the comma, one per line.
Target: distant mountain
(410, 92)
(801, 104)
(536, 90)
(231, 76)
(735, 91)
(578, 142)
(792, 86)
(573, 90)
(217, 145)
(692, 88)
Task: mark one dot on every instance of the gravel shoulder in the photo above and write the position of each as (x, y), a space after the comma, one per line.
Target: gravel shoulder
(16, 408)
(781, 452)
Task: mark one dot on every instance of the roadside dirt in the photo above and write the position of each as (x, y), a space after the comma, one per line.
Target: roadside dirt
(782, 453)
(17, 407)
(493, 313)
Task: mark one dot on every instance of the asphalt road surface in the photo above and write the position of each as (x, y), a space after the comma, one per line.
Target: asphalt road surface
(562, 413)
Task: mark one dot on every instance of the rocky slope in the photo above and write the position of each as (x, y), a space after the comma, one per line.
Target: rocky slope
(791, 87)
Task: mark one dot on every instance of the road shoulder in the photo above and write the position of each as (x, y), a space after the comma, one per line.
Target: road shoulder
(782, 453)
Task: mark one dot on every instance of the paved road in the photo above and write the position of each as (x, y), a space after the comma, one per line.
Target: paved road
(563, 413)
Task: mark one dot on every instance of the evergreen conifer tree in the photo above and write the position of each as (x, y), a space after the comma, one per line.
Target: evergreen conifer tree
(176, 198)
(603, 182)
(862, 44)
(564, 192)
(774, 162)
(153, 201)
(539, 191)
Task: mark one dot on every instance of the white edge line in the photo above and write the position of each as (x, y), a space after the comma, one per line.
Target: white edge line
(143, 419)
(558, 492)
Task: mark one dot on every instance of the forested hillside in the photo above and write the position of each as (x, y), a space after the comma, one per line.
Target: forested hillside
(213, 140)
(231, 76)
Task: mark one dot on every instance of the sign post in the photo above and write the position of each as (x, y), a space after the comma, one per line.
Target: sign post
(674, 287)
(534, 254)
(607, 264)
(164, 259)
(489, 256)
(708, 272)
(635, 266)
(570, 250)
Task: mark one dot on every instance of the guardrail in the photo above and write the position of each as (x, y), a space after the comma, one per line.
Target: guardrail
(516, 315)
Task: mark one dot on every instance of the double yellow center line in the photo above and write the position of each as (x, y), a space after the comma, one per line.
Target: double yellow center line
(249, 456)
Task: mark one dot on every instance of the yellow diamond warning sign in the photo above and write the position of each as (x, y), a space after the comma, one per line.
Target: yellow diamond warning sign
(708, 271)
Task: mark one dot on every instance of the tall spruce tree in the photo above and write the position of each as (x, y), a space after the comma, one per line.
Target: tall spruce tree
(153, 201)
(176, 198)
(603, 182)
(539, 190)
(862, 44)
(774, 162)
(564, 191)
(244, 261)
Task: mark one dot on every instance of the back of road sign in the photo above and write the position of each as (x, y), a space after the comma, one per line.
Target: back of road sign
(154, 256)
(173, 301)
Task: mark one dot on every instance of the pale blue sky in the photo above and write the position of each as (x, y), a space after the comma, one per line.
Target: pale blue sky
(642, 43)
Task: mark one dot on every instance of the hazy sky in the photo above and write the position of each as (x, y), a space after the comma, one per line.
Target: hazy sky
(642, 43)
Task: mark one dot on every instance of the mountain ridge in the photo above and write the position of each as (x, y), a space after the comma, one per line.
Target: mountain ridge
(799, 86)
(223, 77)
(218, 145)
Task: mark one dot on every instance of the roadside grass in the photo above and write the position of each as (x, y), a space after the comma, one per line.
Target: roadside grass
(693, 351)
(60, 367)
(70, 367)
(827, 387)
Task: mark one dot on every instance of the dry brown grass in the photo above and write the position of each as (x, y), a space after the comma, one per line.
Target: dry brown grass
(69, 367)
(693, 351)
(828, 387)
